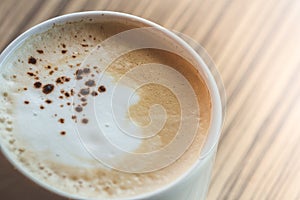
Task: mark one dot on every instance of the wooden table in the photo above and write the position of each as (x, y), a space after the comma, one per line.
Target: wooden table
(256, 47)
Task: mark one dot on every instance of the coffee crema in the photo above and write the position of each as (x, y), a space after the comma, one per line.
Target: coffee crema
(48, 94)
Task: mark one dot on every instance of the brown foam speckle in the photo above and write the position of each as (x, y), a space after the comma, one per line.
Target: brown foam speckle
(48, 101)
(37, 84)
(40, 51)
(90, 83)
(62, 79)
(30, 74)
(101, 88)
(85, 91)
(78, 109)
(85, 121)
(94, 93)
(48, 88)
(32, 60)
(9, 129)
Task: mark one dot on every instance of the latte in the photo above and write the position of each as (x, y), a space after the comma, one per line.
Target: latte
(59, 90)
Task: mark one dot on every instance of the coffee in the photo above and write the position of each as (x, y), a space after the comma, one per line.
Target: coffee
(58, 87)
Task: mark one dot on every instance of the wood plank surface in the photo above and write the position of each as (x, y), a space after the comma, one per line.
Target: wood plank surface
(255, 45)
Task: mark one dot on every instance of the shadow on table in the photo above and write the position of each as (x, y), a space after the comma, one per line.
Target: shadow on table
(15, 186)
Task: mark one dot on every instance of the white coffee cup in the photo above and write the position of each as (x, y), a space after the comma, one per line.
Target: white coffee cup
(195, 182)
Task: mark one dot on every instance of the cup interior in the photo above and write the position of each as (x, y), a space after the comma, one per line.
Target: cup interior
(160, 36)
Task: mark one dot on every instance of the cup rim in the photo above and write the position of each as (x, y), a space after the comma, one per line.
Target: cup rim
(216, 113)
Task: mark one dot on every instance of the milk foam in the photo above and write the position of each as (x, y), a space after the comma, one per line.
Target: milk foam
(40, 129)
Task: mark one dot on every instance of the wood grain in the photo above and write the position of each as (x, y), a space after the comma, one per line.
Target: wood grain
(256, 47)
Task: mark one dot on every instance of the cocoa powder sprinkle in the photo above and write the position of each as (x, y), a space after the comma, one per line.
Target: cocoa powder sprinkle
(84, 121)
(78, 109)
(32, 60)
(102, 88)
(47, 89)
(90, 83)
(94, 93)
(85, 91)
(37, 84)
(48, 101)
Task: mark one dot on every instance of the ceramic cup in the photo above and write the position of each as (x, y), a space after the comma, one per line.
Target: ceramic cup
(194, 184)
